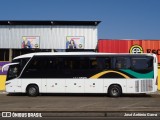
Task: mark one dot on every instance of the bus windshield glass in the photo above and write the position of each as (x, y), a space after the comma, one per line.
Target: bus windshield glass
(22, 62)
(13, 71)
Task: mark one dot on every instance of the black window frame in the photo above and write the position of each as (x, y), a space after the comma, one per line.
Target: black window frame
(62, 71)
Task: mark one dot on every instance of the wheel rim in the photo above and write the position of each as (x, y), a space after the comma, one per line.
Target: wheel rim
(32, 91)
(115, 91)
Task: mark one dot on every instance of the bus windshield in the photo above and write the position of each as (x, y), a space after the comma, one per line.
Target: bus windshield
(22, 62)
(13, 71)
(16, 67)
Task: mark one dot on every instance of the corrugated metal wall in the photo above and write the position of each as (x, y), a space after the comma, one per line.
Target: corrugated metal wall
(51, 37)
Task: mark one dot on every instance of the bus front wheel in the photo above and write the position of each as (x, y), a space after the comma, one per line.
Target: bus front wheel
(114, 91)
(32, 90)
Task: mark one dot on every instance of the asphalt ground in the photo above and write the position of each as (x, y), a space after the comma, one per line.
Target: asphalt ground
(82, 106)
(80, 102)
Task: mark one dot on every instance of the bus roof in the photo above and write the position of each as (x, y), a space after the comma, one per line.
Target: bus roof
(77, 53)
(25, 56)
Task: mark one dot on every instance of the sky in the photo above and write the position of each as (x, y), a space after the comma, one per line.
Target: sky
(120, 19)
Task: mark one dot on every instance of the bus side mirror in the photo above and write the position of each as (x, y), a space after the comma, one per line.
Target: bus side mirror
(4, 66)
(7, 65)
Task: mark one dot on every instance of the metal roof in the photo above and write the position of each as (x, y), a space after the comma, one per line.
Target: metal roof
(49, 22)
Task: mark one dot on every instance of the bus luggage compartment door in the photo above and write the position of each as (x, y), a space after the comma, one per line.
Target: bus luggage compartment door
(74, 86)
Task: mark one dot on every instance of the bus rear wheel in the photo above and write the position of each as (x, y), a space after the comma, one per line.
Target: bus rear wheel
(32, 90)
(115, 91)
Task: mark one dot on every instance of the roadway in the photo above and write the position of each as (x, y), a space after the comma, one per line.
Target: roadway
(88, 106)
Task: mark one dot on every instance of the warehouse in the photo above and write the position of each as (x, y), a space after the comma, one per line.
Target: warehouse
(45, 36)
(20, 37)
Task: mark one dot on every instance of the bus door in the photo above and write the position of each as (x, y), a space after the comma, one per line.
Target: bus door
(13, 73)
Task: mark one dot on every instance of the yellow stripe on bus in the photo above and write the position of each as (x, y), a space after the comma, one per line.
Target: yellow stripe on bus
(109, 71)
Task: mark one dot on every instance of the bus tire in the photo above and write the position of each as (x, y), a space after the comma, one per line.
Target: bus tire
(114, 91)
(32, 90)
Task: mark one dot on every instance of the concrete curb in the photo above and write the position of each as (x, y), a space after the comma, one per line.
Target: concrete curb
(155, 93)
(3, 92)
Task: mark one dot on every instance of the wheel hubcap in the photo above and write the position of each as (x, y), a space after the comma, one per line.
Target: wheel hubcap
(115, 91)
(32, 91)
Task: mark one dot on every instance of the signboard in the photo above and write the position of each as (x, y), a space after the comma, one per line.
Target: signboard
(5, 69)
(130, 46)
(30, 42)
(75, 42)
(136, 49)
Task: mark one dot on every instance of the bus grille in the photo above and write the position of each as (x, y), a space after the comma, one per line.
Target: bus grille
(146, 85)
(137, 86)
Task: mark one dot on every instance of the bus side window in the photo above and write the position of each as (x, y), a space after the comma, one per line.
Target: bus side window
(84, 63)
(127, 63)
(60, 63)
(34, 69)
(118, 64)
(122, 63)
(107, 63)
(150, 63)
(93, 63)
(50, 63)
(104, 63)
(37, 63)
(101, 63)
(139, 63)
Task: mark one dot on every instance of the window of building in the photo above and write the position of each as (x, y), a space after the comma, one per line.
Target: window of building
(4, 54)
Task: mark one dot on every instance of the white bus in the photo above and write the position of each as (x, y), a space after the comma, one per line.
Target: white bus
(76, 72)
